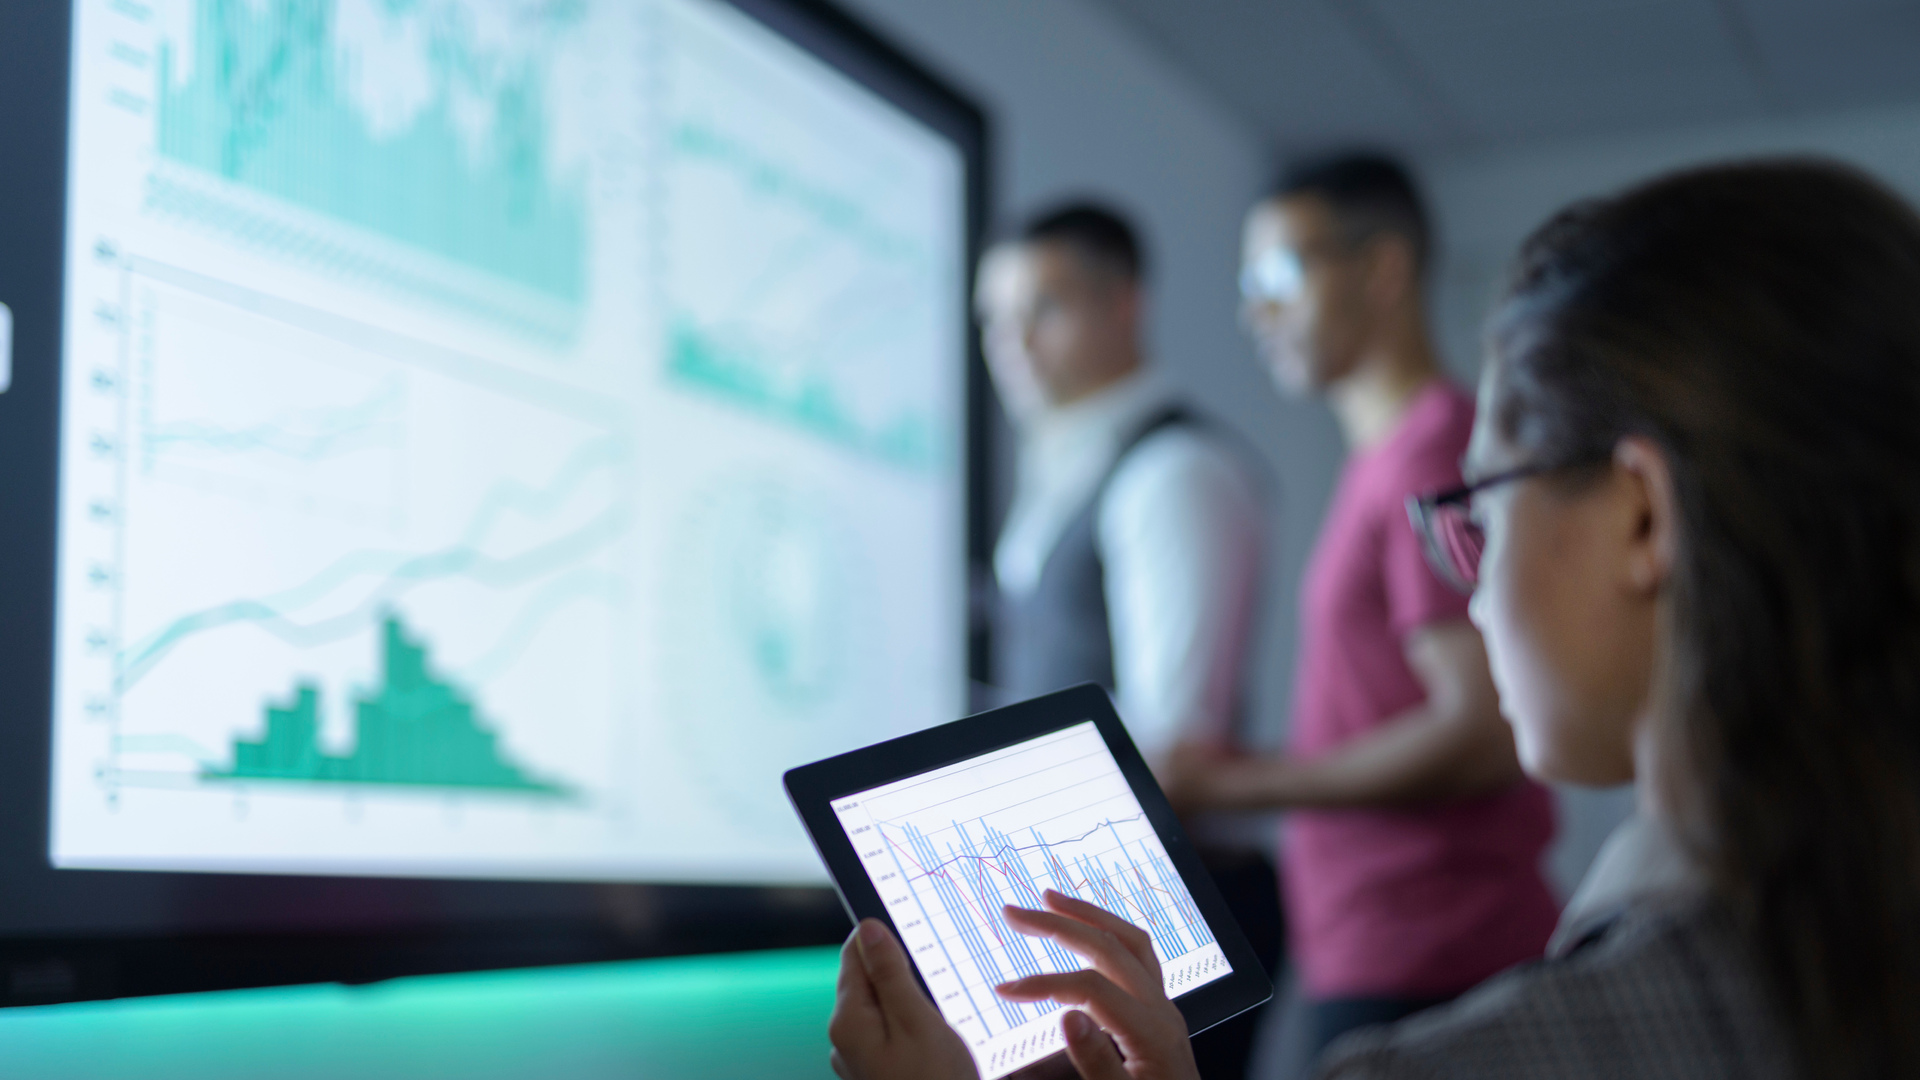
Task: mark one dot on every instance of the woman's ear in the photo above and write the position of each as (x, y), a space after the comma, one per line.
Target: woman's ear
(1655, 541)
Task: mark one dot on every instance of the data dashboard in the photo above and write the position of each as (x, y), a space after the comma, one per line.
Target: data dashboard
(498, 438)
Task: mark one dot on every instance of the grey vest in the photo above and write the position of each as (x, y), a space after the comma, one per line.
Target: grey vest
(1057, 635)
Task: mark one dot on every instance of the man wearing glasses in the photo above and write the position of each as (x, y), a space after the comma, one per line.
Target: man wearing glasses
(1411, 851)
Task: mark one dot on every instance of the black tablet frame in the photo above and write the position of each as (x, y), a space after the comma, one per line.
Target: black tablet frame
(813, 789)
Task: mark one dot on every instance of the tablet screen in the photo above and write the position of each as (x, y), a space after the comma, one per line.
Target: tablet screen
(947, 848)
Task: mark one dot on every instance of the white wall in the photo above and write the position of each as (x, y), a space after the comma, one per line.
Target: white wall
(1081, 104)
(1486, 202)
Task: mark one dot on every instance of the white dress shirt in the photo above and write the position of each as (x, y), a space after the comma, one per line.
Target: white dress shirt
(1180, 534)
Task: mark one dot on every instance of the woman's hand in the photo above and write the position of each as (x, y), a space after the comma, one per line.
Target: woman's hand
(1122, 991)
(883, 1025)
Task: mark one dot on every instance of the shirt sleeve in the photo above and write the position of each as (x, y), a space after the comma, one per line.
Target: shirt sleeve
(1416, 596)
(1181, 532)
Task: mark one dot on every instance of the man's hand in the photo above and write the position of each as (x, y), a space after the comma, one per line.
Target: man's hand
(1185, 774)
(1453, 745)
(883, 1026)
(1198, 777)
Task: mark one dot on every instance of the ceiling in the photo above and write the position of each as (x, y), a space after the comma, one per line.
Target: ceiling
(1446, 74)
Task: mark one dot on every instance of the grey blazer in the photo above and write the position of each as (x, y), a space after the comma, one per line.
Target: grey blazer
(1663, 990)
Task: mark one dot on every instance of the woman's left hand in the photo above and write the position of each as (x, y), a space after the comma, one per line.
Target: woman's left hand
(883, 1025)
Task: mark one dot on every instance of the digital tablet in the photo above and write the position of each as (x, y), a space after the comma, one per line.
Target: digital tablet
(934, 832)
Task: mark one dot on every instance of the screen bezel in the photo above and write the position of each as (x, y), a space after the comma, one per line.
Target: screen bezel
(84, 934)
(813, 789)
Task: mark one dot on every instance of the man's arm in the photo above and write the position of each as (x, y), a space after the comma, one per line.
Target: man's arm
(1180, 533)
(1452, 746)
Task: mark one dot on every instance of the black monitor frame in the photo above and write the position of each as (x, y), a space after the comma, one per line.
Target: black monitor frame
(68, 935)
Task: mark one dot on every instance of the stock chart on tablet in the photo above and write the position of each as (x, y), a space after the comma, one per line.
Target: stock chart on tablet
(498, 437)
(948, 849)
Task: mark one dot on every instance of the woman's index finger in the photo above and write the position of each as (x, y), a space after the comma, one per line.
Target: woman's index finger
(1137, 941)
(1102, 948)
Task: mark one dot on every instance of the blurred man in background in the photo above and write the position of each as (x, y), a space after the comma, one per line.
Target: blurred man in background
(1411, 856)
(1131, 553)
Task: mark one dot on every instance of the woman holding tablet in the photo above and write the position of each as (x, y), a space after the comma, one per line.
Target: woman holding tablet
(1696, 475)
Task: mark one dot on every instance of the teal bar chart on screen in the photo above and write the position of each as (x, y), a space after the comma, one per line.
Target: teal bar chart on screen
(275, 115)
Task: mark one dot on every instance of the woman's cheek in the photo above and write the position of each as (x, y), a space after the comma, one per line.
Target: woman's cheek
(1512, 658)
(1484, 611)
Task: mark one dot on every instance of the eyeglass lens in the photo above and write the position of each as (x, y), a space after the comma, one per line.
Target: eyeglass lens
(1276, 275)
(1460, 542)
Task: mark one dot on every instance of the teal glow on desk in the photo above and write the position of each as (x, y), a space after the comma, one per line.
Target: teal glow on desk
(742, 1014)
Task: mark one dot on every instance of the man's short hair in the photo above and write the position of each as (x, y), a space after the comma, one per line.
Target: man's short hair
(1369, 194)
(1096, 233)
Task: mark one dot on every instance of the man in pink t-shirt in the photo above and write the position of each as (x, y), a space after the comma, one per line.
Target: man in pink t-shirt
(1411, 853)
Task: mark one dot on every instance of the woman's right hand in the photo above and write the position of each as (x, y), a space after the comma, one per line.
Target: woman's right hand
(1122, 992)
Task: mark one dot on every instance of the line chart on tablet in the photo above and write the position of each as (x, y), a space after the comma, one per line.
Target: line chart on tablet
(948, 849)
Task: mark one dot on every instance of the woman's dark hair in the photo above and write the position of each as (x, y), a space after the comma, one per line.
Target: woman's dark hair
(1760, 323)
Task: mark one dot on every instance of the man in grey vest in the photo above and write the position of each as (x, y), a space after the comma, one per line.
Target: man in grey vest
(1131, 554)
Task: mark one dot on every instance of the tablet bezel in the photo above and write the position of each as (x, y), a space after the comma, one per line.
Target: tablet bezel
(813, 789)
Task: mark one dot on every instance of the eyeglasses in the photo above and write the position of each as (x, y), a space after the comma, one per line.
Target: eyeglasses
(1275, 276)
(1279, 275)
(1451, 539)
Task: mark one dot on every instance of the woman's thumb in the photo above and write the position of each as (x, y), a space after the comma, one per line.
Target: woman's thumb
(886, 964)
(1090, 1049)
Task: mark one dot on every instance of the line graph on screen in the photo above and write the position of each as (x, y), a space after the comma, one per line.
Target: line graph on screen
(972, 884)
(356, 545)
(820, 288)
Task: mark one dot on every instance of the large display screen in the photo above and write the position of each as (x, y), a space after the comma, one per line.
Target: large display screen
(497, 438)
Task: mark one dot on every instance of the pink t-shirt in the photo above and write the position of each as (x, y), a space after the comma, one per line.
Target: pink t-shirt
(1419, 901)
